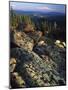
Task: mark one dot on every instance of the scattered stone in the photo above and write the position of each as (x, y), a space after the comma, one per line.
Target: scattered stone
(12, 63)
(17, 80)
(64, 44)
(57, 41)
(60, 44)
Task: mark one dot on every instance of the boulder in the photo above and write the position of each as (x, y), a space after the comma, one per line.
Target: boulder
(21, 40)
(12, 63)
(16, 80)
(36, 35)
(59, 44)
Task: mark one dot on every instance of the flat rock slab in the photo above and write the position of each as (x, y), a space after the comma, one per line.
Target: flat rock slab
(34, 70)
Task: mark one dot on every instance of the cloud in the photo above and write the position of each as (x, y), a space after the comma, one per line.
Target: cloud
(17, 7)
(44, 8)
(20, 6)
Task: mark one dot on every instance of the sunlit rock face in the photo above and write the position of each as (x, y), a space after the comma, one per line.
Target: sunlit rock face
(22, 40)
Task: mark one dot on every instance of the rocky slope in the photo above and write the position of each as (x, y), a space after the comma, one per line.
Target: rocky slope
(34, 62)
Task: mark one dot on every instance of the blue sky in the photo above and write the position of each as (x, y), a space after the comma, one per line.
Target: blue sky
(38, 7)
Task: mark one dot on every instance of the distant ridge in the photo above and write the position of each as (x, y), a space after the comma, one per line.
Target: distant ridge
(38, 13)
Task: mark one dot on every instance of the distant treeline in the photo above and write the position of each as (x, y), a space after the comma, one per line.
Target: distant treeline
(49, 27)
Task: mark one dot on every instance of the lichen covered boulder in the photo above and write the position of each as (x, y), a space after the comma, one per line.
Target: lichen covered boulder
(22, 40)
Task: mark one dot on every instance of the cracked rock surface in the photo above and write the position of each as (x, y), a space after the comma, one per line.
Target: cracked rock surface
(35, 65)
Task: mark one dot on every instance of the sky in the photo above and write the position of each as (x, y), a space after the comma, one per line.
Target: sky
(42, 7)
